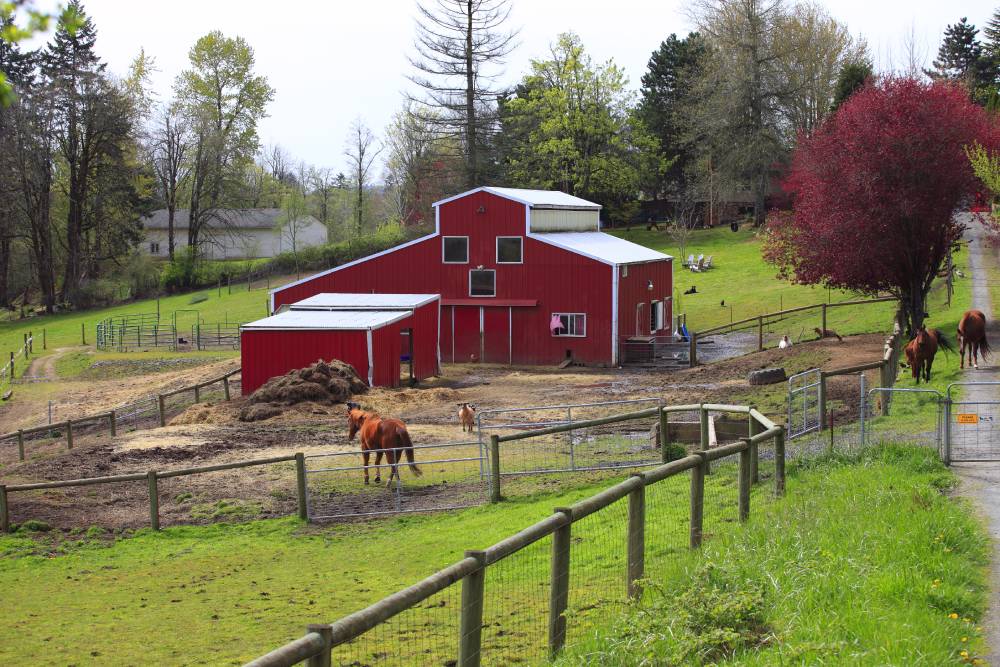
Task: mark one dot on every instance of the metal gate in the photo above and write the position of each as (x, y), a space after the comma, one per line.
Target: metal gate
(803, 403)
(912, 407)
(451, 478)
(972, 424)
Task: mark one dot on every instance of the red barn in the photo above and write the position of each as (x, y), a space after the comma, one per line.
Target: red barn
(372, 332)
(525, 276)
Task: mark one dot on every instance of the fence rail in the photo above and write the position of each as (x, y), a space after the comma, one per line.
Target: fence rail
(764, 319)
(130, 411)
(7, 371)
(472, 571)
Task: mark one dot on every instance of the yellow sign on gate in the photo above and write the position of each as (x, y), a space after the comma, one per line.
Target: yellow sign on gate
(968, 418)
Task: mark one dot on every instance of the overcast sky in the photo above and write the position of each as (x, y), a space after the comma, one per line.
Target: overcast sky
(332, 61)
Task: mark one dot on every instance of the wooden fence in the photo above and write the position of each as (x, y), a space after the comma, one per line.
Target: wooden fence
(888, 367)
(7, 370)
(152, 478)
(760, 321)
(111, 417)
(317, 644)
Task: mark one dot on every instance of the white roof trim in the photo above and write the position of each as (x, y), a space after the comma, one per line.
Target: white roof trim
(349, 264)
(551, 239)
(364, 301)
(327, 320)
(510, 193)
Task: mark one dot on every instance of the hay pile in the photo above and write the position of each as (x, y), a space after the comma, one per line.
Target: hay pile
(322, 382)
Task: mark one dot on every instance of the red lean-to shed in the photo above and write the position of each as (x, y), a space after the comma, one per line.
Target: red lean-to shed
(525, 276)
(373, 333)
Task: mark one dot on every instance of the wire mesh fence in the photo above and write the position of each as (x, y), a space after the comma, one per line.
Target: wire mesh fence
(452, 476)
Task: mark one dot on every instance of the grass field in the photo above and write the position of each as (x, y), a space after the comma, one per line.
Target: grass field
(877, 565)
(746, 284)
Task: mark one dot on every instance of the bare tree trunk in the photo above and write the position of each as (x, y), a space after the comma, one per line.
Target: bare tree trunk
(4, 271)
(470, 103)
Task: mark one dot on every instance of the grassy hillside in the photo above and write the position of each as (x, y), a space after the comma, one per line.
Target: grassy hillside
(743, 280)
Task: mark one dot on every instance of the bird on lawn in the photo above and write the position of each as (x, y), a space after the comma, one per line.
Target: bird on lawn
(691, 290)
(723, 303)
(785, 343)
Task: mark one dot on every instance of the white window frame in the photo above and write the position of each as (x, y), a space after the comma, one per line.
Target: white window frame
(571, 335)
(445, 238)
(657, 310)
(519, 238)
(154, 247)
(483, 296)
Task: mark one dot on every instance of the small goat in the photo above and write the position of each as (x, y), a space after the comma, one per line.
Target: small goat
(828, 333)
(467, 416)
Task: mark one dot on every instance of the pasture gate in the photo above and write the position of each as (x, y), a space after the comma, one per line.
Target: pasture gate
(972, 422)
(804, 403)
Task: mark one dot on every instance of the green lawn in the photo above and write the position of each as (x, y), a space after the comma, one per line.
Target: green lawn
(747, 284)
(876, 565)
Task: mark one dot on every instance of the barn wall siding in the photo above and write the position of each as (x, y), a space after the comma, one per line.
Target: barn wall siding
(266, 354)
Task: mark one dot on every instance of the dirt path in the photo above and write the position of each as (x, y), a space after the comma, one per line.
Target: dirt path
(45, 367)
(981, 481)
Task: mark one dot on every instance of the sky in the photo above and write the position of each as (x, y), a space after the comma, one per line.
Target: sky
(333, 61)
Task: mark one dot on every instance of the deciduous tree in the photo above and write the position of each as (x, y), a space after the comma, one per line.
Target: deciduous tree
(875, 189)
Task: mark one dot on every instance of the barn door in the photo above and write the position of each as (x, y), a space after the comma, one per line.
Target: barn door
(466, 339)
(496, 335)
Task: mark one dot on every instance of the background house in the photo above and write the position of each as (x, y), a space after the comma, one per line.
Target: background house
(236, 233)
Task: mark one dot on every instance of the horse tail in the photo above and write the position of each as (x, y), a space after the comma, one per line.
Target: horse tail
(984, 347)
(943, 342)
(404, 440)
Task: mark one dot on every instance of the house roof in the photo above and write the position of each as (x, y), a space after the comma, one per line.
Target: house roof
(602, 247)
(363, 301)
(231, 218)
(533, 198)
(349, 320)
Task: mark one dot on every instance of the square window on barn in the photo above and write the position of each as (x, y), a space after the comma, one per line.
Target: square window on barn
(455, 249)
(509, 249)
(571, 325)
(482, 282)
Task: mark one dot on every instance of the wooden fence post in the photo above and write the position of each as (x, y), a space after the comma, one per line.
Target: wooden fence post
(664, 426)
(83, 333)
(823, 325)
(693, 350)
(779, 462)
(559, 583)
(494, 468)
(300, 483)
(324, 659)
(44, 341)
(744, 482)
(113, 423)
(753, 428)
(698, 499)
(197, 393)
(703, 432)
(225, 387)
(69, 434)
(635, 564)
(163, 416)
(4, 512)
(760, 333)
(20, 445)
(154, 500)
(470, 632)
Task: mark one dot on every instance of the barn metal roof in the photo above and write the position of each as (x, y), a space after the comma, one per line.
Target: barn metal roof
(363, 301)
(603, 247)
(349, 320)
(533, 198)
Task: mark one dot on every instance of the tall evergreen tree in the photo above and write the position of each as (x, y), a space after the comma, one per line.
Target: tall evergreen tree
(671, 70)
(961, 58)
(851, 79)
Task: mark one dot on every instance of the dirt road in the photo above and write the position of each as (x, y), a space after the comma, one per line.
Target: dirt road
(981, 481)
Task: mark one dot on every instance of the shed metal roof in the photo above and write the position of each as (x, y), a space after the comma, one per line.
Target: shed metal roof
(363, 301)
(533, 198)
(603, 247)
(345, 320)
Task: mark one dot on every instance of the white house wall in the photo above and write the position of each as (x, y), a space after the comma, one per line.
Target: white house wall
(564, 220)
(240, 244)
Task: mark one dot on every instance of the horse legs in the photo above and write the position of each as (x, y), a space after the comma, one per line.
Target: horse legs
(364, 457)
(927, 370)
(392, 457)
(961, 354)
(975, 354)
(378, 470)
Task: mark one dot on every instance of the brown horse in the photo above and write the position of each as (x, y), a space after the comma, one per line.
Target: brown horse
(972, 336)
(383, 436)
(921, 350)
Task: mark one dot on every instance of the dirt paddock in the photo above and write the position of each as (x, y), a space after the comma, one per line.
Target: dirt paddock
(212, 433)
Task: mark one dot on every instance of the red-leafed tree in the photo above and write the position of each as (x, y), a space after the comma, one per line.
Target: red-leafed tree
(875, 189)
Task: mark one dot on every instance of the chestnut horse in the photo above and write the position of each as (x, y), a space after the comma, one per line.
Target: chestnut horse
(921, 350)
(383, 436)
(972, 335)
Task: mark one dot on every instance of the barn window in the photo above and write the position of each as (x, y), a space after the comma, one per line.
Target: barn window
(572, 325)
(655, 316)
(154, 248)
(455, 249)
(509, 250)
(482, 282)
